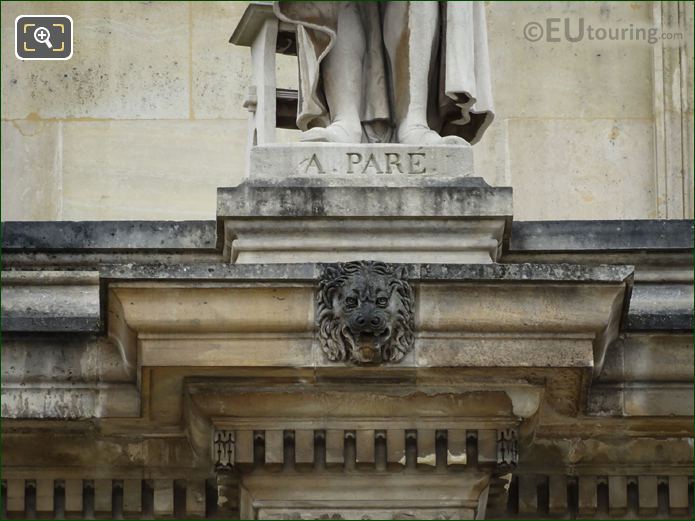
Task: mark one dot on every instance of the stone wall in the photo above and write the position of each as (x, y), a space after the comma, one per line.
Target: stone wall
(146, 120)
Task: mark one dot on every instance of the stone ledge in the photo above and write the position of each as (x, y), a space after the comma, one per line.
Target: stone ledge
(51, 301)
(268, 198)
(524, 272)
(336, 220)
(28, 236)
(658, 307)
(584, 236)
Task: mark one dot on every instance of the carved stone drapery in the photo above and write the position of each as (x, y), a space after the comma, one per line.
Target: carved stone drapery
(364, 312)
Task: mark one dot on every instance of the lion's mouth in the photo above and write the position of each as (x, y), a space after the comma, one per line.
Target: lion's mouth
(368, 345)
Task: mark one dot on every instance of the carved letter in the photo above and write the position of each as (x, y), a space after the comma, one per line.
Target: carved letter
(316, 164)
(371, 161)
(415, 162)
(393, 159)
(353, 159)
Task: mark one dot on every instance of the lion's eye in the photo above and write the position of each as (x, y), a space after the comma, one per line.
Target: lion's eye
(382, 302)
(351, 302)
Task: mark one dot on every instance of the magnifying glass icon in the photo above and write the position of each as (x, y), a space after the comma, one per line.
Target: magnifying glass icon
(43, 35)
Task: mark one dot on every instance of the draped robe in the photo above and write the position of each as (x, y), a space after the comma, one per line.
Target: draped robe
(459, 93)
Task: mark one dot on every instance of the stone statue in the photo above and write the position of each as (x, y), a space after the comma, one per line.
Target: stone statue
(406, 72)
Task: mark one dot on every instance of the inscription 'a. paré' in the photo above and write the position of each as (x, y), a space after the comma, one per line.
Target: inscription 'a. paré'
(379, 163)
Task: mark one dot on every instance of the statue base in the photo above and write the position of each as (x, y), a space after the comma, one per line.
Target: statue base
(379, 161)
(400, 219)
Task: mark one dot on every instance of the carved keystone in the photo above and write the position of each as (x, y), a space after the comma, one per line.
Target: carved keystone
(364, 313)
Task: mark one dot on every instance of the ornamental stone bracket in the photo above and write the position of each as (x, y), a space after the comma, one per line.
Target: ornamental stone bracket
(525, 315)
(354, 437)
(515, 340)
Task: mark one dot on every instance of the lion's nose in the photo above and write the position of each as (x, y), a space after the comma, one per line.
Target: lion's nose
(360, 320)
(376, 321)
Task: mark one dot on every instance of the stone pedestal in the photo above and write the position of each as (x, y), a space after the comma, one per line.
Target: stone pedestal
(372, 161)
(335, 203)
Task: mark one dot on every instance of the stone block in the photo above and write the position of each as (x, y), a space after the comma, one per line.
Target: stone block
(54, 301)
(377, 162)
(658, 399)
(44, 495)
(274, 452)
(335, 446)
(30, 168)
(304, 446)
(557, 495)
(73, 495)
(487, 446)
(617, 495)
(70, 401)
(195, 497)
(163, 497)
(103, 493)
(648, 498)
(130, 61)
(662, 306)
(678, 494)
(456, 446)
(528, 494)
(15, 495)
(331, 221)
(572, 72)
(588, 495)
(600, 235)
(582, 169)
(660, 357)
(426, 447)
(243, 447)
(364, 441)
(171, 169)
(395, 446)
(132, 495)
(91, 236)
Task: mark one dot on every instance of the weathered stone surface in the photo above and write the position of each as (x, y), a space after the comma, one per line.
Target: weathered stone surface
(650, 357)
(108, 235)
(51, 301)
(61, 358)
(336, 239)
(529, 272)
(273, 323)
(30, 169)
(343, 219)
(150, 170)
(302, 197)
(128, 73)
(554, 236)
(524, 272)
(557, 161)
(70, 401)
(354, 491)
(658, 307)
(642, 399)
(373, 161)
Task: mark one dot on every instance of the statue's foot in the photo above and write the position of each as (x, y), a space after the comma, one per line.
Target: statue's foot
(333, 133)
(422, 135)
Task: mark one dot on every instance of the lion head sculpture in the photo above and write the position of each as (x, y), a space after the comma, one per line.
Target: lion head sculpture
(365, 313)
